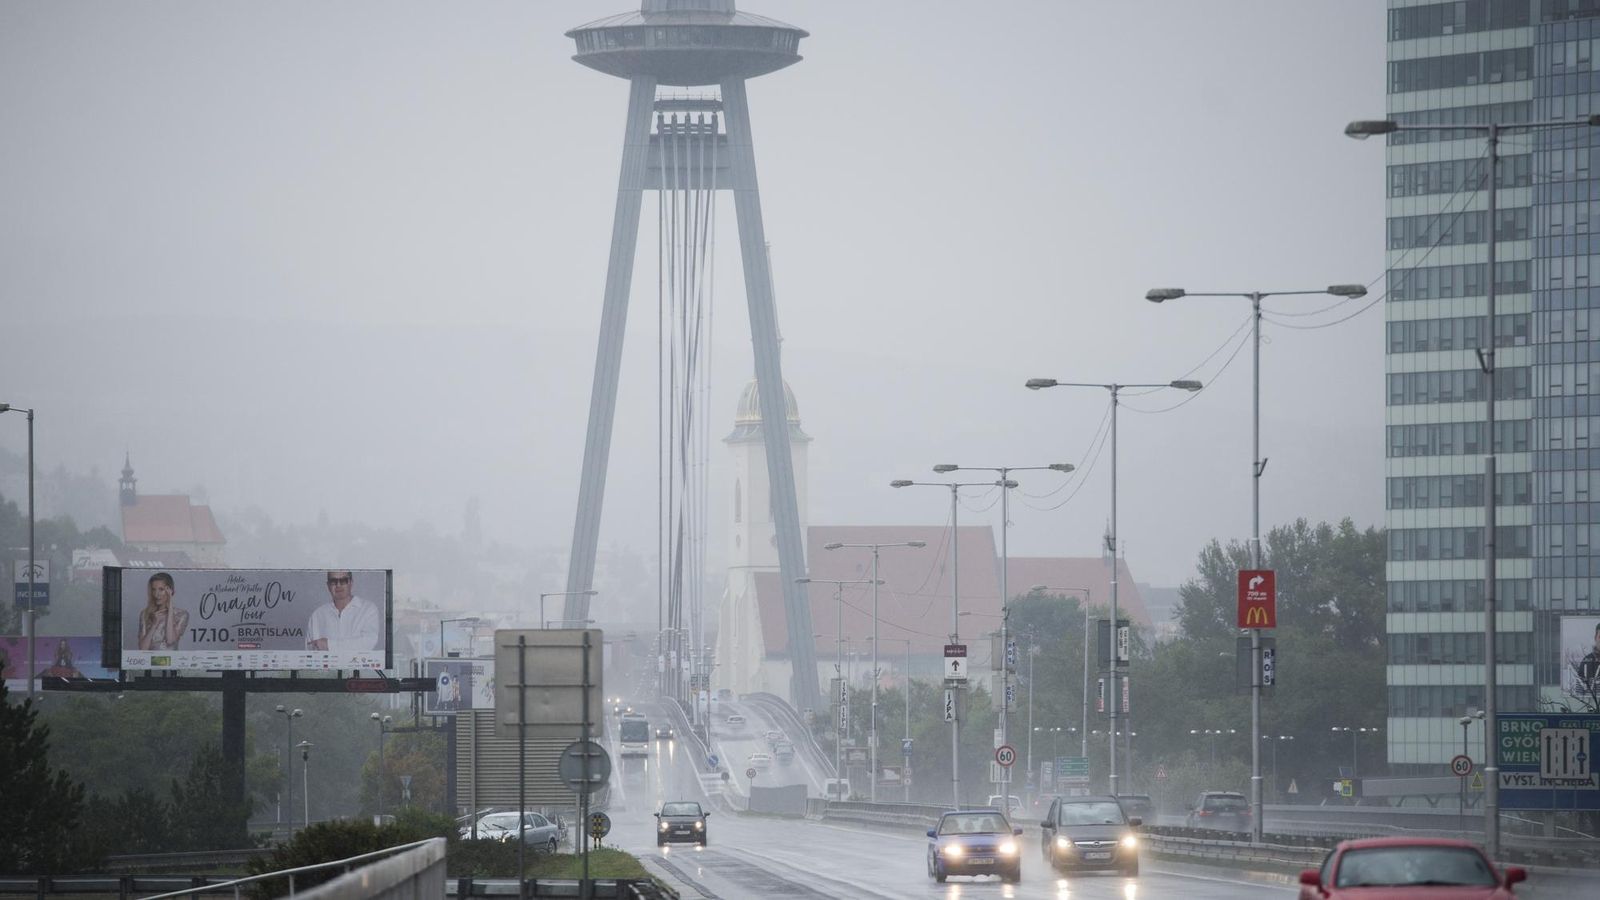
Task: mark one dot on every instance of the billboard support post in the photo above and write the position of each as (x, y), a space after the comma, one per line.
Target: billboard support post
(233, 753)
(522, 764)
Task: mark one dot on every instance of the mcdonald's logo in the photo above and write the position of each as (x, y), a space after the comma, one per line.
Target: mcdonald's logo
(1258, 598)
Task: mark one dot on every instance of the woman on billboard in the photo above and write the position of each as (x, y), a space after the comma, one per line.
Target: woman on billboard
(161, 624)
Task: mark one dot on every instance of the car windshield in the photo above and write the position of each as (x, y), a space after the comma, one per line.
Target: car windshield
(681, 809)
(974, 823)
(1101, 812)
(1382, 866)
(508, 820)
(1224, 802)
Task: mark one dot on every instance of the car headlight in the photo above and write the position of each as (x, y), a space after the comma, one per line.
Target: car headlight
(1064, 842)
(1130, 842)
(665, 826)
(700, 826)
(1008, 848)
(951, 850)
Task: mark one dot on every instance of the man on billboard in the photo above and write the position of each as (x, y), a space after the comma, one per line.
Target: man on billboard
(1589, 668)
(346, 622)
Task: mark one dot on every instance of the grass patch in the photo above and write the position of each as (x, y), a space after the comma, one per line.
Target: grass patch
(603, 863)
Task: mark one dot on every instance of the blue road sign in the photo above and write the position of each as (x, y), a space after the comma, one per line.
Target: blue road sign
(713, 761)
(905, 746)
(1547, 761)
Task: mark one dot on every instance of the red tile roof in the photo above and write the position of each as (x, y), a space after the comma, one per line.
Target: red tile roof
(168, 519)
(1090, 572)
(913, 602)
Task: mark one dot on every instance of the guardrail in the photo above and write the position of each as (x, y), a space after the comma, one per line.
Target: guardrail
(796, 728)
(200, 860)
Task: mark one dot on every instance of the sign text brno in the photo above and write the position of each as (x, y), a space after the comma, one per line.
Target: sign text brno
(1258, 599)
(1547, 760)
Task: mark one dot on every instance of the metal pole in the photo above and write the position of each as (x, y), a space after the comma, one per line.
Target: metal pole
(955, 635)
(585, 887)
(1111, 705)
(522, 763)
(1030, 708)
(1005, 632)
(1256, 465)
(33, 621)
(1083, 748)
(905, 776)
(288, 766)
(305, 783)
(1462, 804)
(872, 732)
(1491, 768)
(380, 767)
(841, 727)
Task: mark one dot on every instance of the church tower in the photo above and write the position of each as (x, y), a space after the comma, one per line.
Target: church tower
(125, 486)
(753, 545)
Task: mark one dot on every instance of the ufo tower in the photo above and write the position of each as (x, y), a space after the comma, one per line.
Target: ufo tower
(701, 142)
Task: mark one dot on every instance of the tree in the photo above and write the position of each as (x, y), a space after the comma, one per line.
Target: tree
(202, 816)
(43, 807)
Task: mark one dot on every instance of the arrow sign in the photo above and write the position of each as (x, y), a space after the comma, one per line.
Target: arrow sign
(955, 662)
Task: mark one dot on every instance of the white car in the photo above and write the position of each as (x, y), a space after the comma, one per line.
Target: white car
(736, 722)
(1012, 810)
(537, 831)
(761, 761)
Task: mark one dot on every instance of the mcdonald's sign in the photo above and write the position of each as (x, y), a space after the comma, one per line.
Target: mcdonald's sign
(1258, 599)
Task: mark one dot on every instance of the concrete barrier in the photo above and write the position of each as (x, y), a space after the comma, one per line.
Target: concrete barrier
(788, 800)
(416, 874)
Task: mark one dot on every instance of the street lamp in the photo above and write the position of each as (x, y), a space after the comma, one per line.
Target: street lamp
(305, 776)
(1361, 130)
(32, 620)
(288, 758)
(1034, 384)
(1465, 721)
(542, 597)
(1213, 733)
(1005, 483)
(872, 739)
(383, 723)
(843, 723)
(1257, 466)
(471, 620)
(955, 608)
(1355, 733)
(1275, 740)
(1043, 589)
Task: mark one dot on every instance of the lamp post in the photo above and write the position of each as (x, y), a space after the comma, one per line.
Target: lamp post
(32, 621)
(872, 729)
(1355, 733)
(1005, 483)
(1275, 740)
(1257, 466)
(1214, 734)
(842, 725)
(1115, 390)
(1361, 130)
(905, 773)
(543, 597)
(288, 758)
(1044, 589)
(472, 620)
(1464, 721)
(383, 728)
(305, 777)
(955, 608)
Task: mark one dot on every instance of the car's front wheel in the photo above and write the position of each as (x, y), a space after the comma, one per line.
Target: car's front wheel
(552, 846)
(1012, 877)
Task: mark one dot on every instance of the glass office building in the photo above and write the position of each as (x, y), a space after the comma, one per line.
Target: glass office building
(1480, 61)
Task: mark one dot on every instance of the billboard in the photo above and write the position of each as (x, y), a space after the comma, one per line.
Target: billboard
(458, 684)
(248, 619)
(54, 657)
(1580, 658)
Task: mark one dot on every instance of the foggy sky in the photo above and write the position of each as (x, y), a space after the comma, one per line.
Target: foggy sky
(348, 257)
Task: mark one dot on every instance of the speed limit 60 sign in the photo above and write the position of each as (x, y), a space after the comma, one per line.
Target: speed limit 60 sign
(1461, 765)
(1005, 755)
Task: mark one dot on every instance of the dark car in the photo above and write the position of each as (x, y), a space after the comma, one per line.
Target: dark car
(1220, 811)
(664, 733)
(1091, 833)
(682, 821)
(1397, 868)
(1138, 805)
(974, 842)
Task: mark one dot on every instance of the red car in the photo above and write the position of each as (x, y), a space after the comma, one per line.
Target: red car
(1408, 869)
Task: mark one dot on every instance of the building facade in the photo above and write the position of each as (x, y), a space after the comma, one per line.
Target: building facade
(1510, 62)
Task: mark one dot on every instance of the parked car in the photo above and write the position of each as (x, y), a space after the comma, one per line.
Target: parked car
(1090, 833)
(1013, 809)
(1220, 811)
(681, 820)
(1138, 805)
(537, 831)
(1396, 868)
(974, 842)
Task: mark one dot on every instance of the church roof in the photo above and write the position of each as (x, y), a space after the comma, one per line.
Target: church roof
(168, 519)
(747, 418)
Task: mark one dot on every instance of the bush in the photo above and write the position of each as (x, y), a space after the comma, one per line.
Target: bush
(332, 841)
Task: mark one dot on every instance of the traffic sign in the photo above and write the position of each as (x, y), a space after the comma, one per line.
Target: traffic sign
(955, 662)
(571, 766)
(1461, 765)
(1005, 755)
(41, 583)
(1161, 773)
(750, 773)
(599, 825)
(713, 760)
(949, 705)
(905, 746)
(1258, 598)
(1547, 761)
(1293, 787)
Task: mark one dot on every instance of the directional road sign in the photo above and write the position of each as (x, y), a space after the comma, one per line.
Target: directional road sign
(1005, 755)
(1258, 598)
(1461, 765)
(1547, 761)
(713, 760)
(955, 662)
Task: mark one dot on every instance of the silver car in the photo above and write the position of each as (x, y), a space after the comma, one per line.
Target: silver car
(537, 831)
